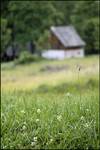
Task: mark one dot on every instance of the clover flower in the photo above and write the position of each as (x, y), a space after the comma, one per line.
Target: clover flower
(37, 120)
(33, 143)
(22, 111)
(51, 140)
(82, 118)
(59, 117)
(87, 110)
(24, 123)
(38, 111)
(86, 125)
(35, 139)
(24, 127)
(68, 94)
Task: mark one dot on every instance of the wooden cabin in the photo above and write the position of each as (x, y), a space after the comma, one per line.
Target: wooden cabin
(65, 43)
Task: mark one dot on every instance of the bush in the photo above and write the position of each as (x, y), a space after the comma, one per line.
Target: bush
(26, 57)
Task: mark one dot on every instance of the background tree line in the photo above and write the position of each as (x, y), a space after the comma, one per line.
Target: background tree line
(23, 21)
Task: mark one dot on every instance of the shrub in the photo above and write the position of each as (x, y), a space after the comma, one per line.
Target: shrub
(26, 57)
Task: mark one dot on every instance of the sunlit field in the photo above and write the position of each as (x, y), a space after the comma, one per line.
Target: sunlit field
(50, 104)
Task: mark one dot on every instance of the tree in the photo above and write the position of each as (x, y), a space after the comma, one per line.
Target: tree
(5, 35)
(86, 19)
(31, 20)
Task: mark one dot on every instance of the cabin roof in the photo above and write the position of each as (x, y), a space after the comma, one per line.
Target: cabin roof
(68, 36)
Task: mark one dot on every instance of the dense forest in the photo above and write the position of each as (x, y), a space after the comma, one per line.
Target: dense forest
(23, 21)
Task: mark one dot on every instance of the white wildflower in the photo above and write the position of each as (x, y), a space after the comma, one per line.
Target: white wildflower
(59, 117)
(24, 127)
(38, 111)
(86, 125)
(87, 110)
(37, 120)
(22, 111)
(82, 118)
(51, 140)
(68, 94)
(33, 143)
(24, 123)
(35, 139)
(4, 147)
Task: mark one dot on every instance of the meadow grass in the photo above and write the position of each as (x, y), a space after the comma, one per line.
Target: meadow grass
(63, 122)
(30, 76)
(48, 113)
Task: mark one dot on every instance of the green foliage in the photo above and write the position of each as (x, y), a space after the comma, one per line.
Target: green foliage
(63, 87)
(28, 17)
(26, 57)
(49, 115)
(43, 41)
(91, 33)
(86, 19)
(31, 20)
(49, 121)
(5, 34)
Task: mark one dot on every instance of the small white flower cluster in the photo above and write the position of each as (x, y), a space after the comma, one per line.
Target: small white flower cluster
(82, 118)
(4, 147)
(33, 143)
(59, 117)
(68, 94)
(22, 111)
(37, 120)
(24, 127)
(25, 123)
(38, 111)
(87, 110)
(35, 139)
(51, 140)
(86, 125)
